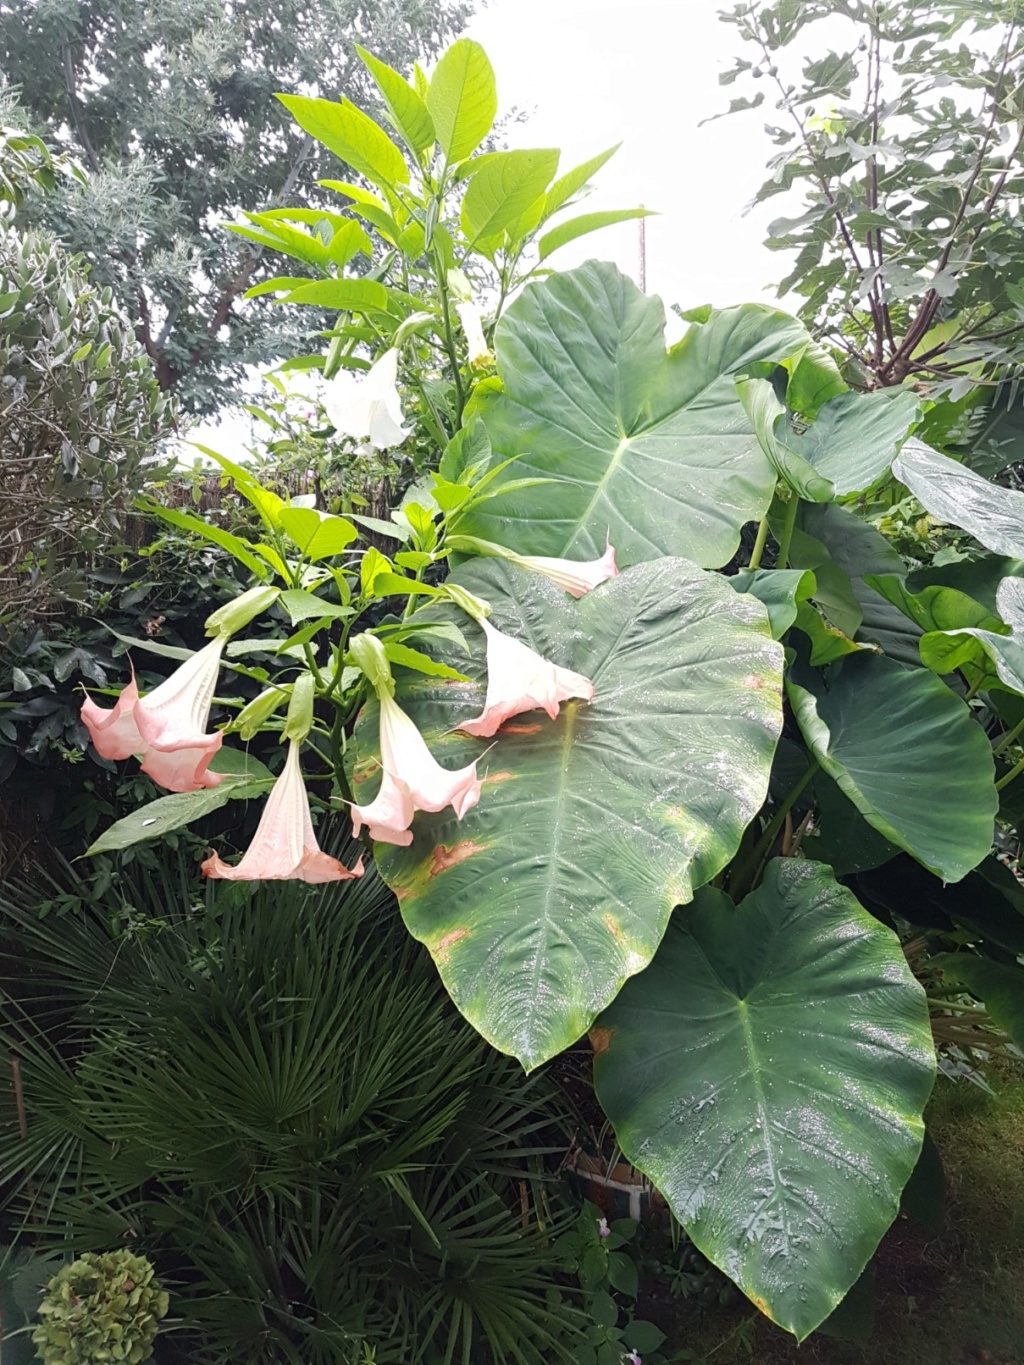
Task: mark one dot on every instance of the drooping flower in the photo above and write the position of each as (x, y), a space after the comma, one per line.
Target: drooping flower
(518, 679)
(603, 1230)
(368, 408)
(112, 730)
(631, 1358)
(167, 727)
(574, 576)
(389, 814)
(480, 354)
(284, 847)
(413, 780)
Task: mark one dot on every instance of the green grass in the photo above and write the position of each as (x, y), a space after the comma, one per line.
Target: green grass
(955, 1297)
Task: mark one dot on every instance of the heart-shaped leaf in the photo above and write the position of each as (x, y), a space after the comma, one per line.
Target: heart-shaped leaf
(768, 1072)
(908, 754)
(590, 828)
(653, 446)
(848, 447)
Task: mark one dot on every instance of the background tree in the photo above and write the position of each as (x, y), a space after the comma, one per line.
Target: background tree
(80, 412)
(902, 141)
(171, 109)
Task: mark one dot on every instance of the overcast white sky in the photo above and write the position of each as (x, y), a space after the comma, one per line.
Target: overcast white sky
(644, 72)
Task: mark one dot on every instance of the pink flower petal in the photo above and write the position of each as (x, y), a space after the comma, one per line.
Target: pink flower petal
(113, 730)
(388, 815)
(518, 680)
(183, 768)
(284, 847)
(405, 755)
(574, 576)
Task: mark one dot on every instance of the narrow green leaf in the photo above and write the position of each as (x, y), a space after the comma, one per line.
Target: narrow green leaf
(171, 812)
(573, 181)
(586, 222)
(407, 109)
(462, 99)
(350, 295)
(184, 521)
(351, 135)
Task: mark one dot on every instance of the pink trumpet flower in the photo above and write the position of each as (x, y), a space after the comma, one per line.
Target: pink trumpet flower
(518, 679)
(413, 780)
(574, 576)
(166, 727)
(284, 847)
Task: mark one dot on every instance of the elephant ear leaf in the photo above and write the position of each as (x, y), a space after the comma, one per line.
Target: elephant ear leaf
(884, 733)
(769, 1073)
(545, 897)
(652, 446)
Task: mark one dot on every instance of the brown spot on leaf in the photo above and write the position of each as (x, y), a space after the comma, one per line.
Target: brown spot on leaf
(442, 950)
(760, 1303)
(521, 729)
(600, 1038)
(444, 857)
(754, 682)
(614, 928)
(497, 777)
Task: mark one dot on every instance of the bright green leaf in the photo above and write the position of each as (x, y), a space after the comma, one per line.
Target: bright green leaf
(407, 109)
(351, 135)
(462, 99)
(503, 189)
(586, 223)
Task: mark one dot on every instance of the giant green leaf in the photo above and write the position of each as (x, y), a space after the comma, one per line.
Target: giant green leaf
(768, 1072)
(908, 754)
(462, 99)
(590, 828)
(848, 447)
(653, 446)
(955, 494)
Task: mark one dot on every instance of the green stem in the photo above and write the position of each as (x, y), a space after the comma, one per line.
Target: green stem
(974, 689)
(337, 758)
(1007, 778)
(1008, 738)
(759, 544)
(789, 525)
(754, 859)
(449, 337)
